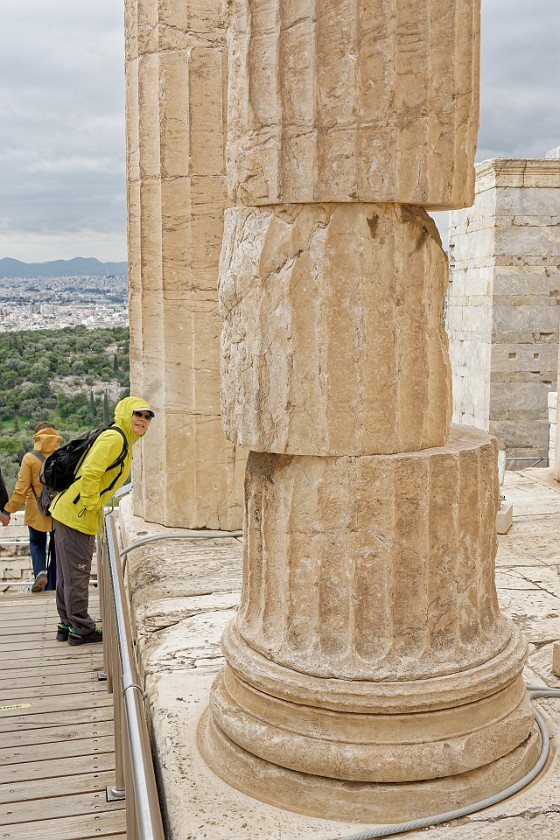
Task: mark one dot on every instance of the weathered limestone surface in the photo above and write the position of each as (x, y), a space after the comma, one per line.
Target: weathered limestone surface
(175, 68)
(369, 646)
(342, 101)
(374, 568)
(503, 302)
(369, 631)
(333, 342)
(178, 627)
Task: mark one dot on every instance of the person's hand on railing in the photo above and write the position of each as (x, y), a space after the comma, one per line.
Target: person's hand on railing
(4, 517)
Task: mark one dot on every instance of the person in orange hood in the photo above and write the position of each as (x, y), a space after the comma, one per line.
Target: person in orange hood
(27, 490)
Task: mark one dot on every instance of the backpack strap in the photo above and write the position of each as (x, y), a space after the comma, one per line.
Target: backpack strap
(41, 458)
(116, 463)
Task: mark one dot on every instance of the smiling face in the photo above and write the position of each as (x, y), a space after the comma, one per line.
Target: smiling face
(140, 422)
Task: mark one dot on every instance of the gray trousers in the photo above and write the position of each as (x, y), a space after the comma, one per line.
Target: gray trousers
(74, 552)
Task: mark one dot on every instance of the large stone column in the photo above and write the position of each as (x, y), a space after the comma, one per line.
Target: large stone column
(176, 72)
(370, 674)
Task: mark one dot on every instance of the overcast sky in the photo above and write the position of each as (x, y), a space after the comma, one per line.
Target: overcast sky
(62, 149)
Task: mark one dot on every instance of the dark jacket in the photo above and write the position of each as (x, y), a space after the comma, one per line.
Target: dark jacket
(4, 496)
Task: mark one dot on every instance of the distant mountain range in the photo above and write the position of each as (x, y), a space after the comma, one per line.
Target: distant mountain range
(78, 267)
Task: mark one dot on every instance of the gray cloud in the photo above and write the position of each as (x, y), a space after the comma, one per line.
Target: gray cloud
(520, 78)
(62, 145)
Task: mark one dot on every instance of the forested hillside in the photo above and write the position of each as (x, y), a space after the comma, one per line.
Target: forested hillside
(71, 377)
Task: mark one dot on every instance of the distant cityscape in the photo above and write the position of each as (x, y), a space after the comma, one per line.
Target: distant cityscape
(42, 303)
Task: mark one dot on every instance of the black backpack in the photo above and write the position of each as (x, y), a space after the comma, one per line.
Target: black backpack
(59, 470)
(46, 495)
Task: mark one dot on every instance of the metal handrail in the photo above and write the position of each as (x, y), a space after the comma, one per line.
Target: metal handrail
(134, 771)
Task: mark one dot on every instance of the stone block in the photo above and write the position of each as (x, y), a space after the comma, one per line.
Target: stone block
(132, 122)
(339, 101)
(524, 360)
(182, 22)
(503, 173)
(526, 281)
(536, 205)
(525, 324)
(191, 233)
(148, 115)
(504, 518)
(192, 106)
(524, 241)
(528, 399)
(389, 558)
(333, 342)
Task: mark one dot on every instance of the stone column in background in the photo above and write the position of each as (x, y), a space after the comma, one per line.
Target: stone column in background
(176, 72)
(370, 675)
(503, 298)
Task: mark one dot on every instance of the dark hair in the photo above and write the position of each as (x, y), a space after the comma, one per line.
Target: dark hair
(44, 424)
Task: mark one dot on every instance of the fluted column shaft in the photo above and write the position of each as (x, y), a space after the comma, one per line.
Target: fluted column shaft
(176, 74)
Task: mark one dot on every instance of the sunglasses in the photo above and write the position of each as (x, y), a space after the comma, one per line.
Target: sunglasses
(143, 415)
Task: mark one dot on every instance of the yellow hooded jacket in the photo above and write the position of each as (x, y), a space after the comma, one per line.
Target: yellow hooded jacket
(85, 512)
(28, 484)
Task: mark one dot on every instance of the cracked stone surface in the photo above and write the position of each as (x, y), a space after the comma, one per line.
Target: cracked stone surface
(332, 340)
(191, 592)
(344, 101)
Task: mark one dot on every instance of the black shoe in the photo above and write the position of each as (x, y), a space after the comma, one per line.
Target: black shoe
(62, 631)
(95, 636)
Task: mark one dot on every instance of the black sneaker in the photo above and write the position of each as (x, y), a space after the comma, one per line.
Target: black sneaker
(95, 636)
(62, 631)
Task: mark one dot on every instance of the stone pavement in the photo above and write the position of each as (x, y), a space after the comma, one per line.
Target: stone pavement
(184, 592)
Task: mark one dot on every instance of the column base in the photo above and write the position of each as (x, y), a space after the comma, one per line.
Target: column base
(329, 798)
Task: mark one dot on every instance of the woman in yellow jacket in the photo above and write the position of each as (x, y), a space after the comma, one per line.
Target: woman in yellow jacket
(28, 489)
(78, 516)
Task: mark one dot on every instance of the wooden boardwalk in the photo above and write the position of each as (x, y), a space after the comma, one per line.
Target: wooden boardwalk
(56, 729)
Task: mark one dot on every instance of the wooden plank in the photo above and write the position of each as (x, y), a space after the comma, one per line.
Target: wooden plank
(46, 788)
(62, 673)
(52, 734)
(72, 655)
(58, 806)
(87, 656)
(63, 749)
(75, 765)
(72, 703)
(52, 718)
(48, 676)
(48, 690)
(47, 650)
(108, 824)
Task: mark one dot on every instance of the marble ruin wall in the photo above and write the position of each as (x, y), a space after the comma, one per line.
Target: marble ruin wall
(370, 675)
(175, 83)
(503, 300)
